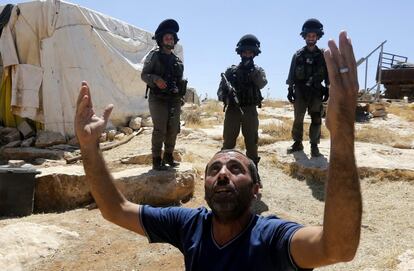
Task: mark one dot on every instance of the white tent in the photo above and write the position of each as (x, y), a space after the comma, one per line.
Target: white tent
(53, 45)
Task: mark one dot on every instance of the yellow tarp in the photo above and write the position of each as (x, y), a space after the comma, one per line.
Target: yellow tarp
(7, 118)
(6, 115)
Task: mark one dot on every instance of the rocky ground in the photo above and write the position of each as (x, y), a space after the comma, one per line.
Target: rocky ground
(81, 239)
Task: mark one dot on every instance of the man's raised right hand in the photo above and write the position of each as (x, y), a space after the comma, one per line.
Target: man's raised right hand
(88, 126)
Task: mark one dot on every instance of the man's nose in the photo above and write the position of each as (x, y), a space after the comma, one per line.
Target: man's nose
(223, 173)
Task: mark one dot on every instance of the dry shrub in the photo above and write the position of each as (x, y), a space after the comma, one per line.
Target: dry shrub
(278, 132)
(191, 116)
(274, 103)
(266, 141)
(403, 111)
(189, 157)
(212, 107)
(240, 143)
(380, 136)
(384, 175)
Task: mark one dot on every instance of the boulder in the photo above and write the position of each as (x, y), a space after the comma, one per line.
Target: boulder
(47, 138)
(372, 160)
(135, 123)
(127, 130)
(147, 122)
(29, 153)
(62, 188)
(119, 136)
(25, 129)
(13, 144)
(111, 134)
(146, 158)
(8, 135)
(28, 142)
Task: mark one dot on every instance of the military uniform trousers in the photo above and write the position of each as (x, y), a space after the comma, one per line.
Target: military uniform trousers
(249, 123)
(311, 100)
(165, 114)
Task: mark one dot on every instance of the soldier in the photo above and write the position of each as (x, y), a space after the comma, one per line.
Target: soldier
(163, 73)
(307, 71)
(239, 90)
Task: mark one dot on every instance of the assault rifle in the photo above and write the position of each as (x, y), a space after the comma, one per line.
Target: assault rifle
(232, 94)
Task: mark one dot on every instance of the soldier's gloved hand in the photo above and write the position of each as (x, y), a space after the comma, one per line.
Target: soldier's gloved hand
(291, 94)
(325, 95)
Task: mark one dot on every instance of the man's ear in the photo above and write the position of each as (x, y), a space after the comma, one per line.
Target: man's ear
(255, 189)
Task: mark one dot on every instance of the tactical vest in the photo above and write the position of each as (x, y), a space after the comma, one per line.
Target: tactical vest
(310, 67)
(170, 68)
(247, 92)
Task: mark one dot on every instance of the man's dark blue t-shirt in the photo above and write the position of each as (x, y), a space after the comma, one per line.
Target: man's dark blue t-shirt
(263, 245)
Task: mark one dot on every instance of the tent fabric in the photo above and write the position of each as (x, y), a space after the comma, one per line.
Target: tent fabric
(54, 45)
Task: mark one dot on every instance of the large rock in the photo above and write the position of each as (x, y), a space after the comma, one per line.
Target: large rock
(135, 123)
(147, 122)
(25, 129)
(406, 261)
(146, 158)
(46, 139)
(372, 160)
(25, 243)
(8, 134)
(29, 154)
(62, 188)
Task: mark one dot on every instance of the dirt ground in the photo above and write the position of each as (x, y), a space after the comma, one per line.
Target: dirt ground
(387, 227)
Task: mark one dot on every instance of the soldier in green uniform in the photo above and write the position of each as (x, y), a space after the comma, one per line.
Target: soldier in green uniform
(163, 73)
(306, 92)
(241, 97)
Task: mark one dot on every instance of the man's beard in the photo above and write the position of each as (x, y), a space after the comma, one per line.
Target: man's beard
(169, 46)
(311, 43)
(231, 205)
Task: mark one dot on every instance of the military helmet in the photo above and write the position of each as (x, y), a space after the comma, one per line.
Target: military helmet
(169, 26)
(248, 42)
(312, 26)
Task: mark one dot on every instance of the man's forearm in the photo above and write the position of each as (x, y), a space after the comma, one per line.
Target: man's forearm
(343, 203)
(106, 195)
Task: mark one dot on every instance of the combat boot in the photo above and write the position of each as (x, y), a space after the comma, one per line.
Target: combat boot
(157, 164)
(315, 150)
(297, 146)
(169, 160)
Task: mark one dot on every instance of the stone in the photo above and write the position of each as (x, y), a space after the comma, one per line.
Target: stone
(16, 163)
(135, 123)
(47, 138)
(127, 130)
(25, 129)
(28, 142)
(119, 136)
(147, 122)
(372, 160)
(64, 187)
(406, 261)
(12, 135)
(13, 144)
(111, 134)
(30, 153)
(103, 137)
(146, 158)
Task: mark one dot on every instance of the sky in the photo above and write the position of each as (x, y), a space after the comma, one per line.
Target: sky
(210, 30)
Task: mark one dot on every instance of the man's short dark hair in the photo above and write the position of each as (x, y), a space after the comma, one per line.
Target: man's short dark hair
(254, 174)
